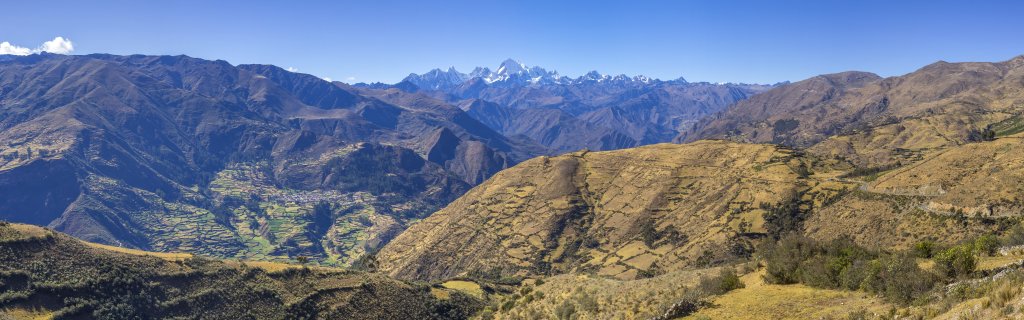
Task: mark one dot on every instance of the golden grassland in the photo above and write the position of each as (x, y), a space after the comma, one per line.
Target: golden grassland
(469, 287)
(997, 261)
(169, 256)
(759, 300)
(22, 313)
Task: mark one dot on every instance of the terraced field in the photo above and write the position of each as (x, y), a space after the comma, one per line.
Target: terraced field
(280, 224)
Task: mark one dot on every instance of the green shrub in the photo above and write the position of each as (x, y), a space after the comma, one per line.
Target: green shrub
(957, 261)
(987, 245)
(924, 249)
(508, 305)
(783, 258)
(903, 279)
(726, 280)
(729, 280)
(841, 264)
(784, 218)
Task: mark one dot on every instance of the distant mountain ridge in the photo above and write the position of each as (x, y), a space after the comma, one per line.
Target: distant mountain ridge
(512, 73)
(594, 111)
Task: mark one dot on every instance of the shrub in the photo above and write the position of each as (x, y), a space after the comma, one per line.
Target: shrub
(1015, 236)
(903, 279)
(587, 302)
(508, 305)
(956, 262)
(783, 258)
(784, 218)
(987, 245)
(565, 310)
(729, 280)
(924, 249)
(842, 264)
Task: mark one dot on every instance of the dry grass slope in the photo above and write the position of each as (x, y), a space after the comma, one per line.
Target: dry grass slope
(621, 214)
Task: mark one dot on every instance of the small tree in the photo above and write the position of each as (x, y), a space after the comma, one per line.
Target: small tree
(987, 245)
(957, 261)
(924, 249)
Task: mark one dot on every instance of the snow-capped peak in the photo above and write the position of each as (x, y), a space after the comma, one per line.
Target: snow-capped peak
(514, 73)
(438, 79)
(510, 66)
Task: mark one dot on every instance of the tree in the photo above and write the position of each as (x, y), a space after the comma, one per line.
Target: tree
(957, 261)
(987, 245)
(924, 249)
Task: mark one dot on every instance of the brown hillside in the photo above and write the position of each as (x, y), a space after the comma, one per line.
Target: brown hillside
(876, 121)
(979, 179)
(619, 213)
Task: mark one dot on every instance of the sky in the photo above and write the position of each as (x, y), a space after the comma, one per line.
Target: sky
(384, 40)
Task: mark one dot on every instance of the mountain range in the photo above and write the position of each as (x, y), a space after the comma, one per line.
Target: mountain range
(516, 193)
(593, 111)
(173, 153)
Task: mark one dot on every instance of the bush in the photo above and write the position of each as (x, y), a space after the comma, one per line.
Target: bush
(924, 249)
(565, 310)
(987, 245)
(903, 279)
(784, 257)
(729, 280)
(726, 280)
(784, 218)
(1015, 236)
(842, 264)
(957, 261)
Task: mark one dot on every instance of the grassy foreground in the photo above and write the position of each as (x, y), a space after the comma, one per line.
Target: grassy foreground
(45, 274)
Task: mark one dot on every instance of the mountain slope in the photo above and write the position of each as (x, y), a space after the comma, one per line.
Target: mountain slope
(161, 153)
(50, 274)
(875, 121)
(618, 213)
(646, 211)
(980, 179)
(550, 127)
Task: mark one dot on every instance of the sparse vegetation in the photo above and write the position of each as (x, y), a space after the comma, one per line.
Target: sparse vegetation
(841, 264)
(784, 218)
(986, 134)
(60, 276)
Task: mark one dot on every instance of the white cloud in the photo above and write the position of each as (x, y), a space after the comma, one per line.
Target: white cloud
(58, 45)
(292, 69)
(350, 79)
(327, 79)
(8, 48)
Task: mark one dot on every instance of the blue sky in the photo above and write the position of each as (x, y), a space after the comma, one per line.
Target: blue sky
(381, 40)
